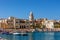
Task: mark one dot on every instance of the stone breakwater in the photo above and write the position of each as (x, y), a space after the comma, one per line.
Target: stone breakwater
(49, 29)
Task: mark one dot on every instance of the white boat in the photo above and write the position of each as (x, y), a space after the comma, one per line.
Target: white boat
(16, 33)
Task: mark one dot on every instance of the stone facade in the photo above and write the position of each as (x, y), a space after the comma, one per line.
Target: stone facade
(13, 22)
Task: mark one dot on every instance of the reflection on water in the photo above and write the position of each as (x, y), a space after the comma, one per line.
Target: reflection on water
(49, 36)
(34, 36)
(20, 38)
(44, 36)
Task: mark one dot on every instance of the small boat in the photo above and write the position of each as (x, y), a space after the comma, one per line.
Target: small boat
(23, 34)
(15, 33)
(5, 32)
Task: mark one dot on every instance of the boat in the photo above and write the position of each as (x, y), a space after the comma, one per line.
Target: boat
(5, 32)
(23, 34)
(15, 33)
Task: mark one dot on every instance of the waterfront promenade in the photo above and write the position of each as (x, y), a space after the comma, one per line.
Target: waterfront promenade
(31, 30)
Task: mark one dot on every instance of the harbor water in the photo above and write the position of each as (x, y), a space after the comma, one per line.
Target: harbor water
(33, 36)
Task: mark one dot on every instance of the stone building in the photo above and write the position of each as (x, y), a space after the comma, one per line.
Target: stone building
(48, 24)
(12, 22)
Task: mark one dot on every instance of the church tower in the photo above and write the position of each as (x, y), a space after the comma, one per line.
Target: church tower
(31, 17)
(31, 20)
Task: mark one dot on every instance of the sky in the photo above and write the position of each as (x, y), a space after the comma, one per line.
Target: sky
(49, 9)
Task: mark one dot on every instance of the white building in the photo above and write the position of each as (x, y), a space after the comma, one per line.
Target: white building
(48, 24)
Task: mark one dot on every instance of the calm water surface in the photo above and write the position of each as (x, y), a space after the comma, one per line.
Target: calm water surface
(34, 36)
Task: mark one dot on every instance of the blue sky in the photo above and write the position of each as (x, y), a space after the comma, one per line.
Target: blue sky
(20, 8)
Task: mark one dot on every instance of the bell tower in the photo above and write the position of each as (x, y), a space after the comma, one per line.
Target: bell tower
(31, 20)
(31, 17)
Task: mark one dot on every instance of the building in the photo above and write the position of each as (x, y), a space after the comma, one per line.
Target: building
(31, 17)
(31, 20)
(48, 24)
(12, 22)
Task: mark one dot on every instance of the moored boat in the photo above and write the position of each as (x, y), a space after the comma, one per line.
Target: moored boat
(21, 33)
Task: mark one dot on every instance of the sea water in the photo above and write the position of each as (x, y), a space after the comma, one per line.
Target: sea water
(34, 36)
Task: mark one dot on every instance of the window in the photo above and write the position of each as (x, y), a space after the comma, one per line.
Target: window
(16, 22)
(20, 26)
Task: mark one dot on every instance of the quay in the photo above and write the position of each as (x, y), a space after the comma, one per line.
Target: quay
(17, 31)
(30, 30)
(48, 30)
